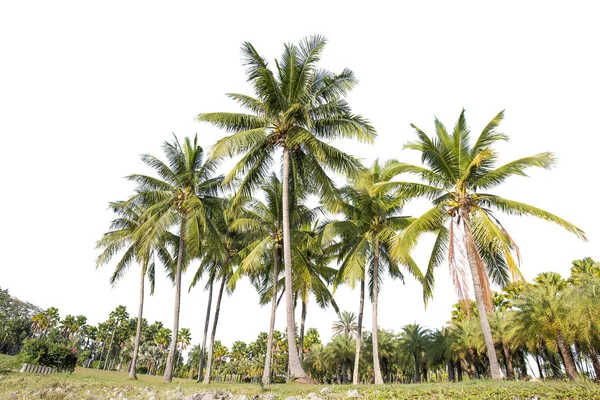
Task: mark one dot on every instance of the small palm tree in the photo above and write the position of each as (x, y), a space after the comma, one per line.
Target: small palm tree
(414, 340)
(458, 176)
(345, 325)
(184, 195)
(298, 108)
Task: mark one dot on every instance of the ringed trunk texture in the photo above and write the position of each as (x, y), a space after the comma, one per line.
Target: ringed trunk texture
(206, 323)
(138, 331)
(209, 355)
(266, 378)
(567, 357)
(473, 257)
(359, 332)
(375, 336)
(295, 365)
(168, 377)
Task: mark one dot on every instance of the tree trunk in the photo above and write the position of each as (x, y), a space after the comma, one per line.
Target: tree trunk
(345, 372)
(266, 378)
(459, 371)
(595, 363)
(359, 332)
(450, 366)
(523, 362)
(112, 336)
(206, 323)
(472, 368)
(417, 376)
(510, 372)
(209, 354)
(473, 257)
(539, 365)
(302, 324)
(294, 361)
(375, 336)
(138, 331)
(567, 357)
(168, 377)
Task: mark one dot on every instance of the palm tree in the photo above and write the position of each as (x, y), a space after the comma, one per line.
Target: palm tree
(546, 308)
(262, 223)
(345, 325)
(372, 217)
(457, 178)
(503, 332)
(340, 351)
(184, 195)
(440, 349)
(414, 340)
(297, 109)
(124, 236)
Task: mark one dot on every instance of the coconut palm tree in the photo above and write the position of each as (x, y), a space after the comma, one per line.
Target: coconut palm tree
(183, 195)
(124, 238)
(262, 223)
(372, 217)
(458, 178)
(297, 108)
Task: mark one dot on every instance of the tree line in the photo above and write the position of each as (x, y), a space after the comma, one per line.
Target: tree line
(256, 223)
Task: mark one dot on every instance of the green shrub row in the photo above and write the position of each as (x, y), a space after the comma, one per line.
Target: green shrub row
(48, 354)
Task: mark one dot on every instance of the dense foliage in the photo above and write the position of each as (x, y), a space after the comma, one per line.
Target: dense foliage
(45, 352)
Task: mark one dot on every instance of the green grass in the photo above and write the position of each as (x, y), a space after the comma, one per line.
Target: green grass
(97, 384)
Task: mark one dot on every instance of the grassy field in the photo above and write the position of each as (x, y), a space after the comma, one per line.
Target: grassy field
(96, 385)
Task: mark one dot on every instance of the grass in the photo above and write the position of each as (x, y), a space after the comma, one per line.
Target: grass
(96, 384)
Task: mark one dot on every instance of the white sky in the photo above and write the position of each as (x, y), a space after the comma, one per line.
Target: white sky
(86, 87)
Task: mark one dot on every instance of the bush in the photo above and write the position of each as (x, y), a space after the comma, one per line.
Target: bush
(42, 352)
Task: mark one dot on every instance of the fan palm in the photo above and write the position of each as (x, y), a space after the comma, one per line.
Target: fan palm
(372, 217)
(184, 195)
(458, 176)
(297, 108)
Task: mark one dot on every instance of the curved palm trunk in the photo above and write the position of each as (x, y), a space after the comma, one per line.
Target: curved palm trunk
(266, 378)
(375, 336)
(302, 324)
(294, 361)
(168, 377)
(567, 357)
(359, 332)
(472, 256)
(138, 331)
(206, 323)
(209, 354)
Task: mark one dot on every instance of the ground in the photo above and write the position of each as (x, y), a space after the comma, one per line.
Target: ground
(90, 384)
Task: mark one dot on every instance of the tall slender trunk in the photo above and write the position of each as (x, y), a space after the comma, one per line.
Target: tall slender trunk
(138, 331)
(595, 363)
(450, 367)
(206, 323)
(266, 378)
(168, 377)
(302, 325)
(112, 336)
(294, 361)
(345, 372)
(523, 362)
(567, 357)
(209, 354)
(510, 372)
(359, 331)
(472, 256)
(375, 336)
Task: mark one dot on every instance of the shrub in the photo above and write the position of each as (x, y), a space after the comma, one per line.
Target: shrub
(43, 352)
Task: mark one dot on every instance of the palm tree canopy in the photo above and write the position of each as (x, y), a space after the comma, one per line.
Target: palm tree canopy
(458, 175)
(297, 106)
